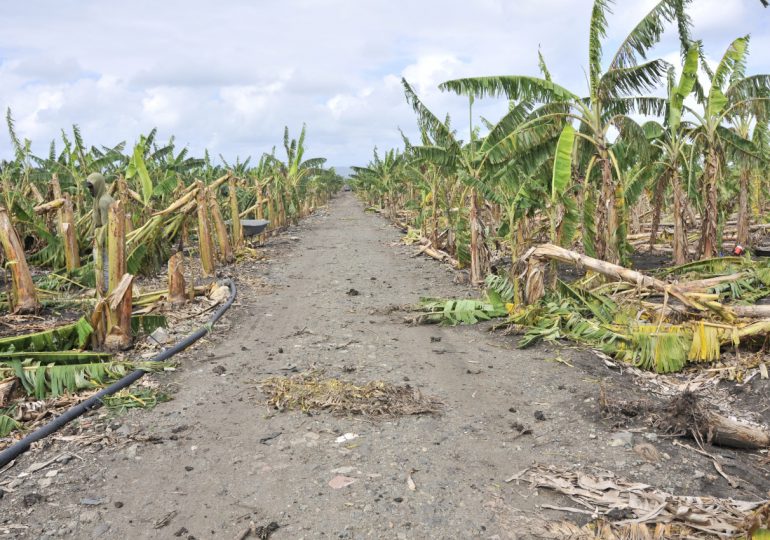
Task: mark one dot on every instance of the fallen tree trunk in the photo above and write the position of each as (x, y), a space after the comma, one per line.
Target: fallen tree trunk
(535, 257)
(686, 415)
(439, 255)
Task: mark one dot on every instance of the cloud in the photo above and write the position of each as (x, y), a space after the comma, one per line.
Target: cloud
(230, 78)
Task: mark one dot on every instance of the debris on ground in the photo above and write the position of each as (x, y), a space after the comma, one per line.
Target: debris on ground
(310, 392)
(261, 532)
(623, 509)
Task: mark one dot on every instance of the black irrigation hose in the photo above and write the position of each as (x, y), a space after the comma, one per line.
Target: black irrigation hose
(95, 401)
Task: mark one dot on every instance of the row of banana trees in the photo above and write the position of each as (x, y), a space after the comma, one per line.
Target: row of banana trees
(679, 152)
(44, 203)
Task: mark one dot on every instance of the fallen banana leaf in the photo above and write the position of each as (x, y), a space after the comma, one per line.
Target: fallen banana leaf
(71, 336)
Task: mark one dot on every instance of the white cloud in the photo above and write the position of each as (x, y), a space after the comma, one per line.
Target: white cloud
(230, 77)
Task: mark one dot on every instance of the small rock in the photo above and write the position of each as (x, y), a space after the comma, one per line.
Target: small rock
(31, 499)
(352, 292)
(648, 452)
(44, 482)
(188, 468)
(622, 438)
(181, 532)
(89, 516)
(340, 481)
(52, 473)
(118, 504)
(91, 501)
(160, 336)
(346, 437)
(435, 339)
(100, 530)
(398, 499)
(131, 451)
(652, 437)
(540, 416)
(219, 370)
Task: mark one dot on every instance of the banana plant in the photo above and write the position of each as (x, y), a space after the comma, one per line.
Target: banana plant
(730, 95)
(613, 95)
(521, 134)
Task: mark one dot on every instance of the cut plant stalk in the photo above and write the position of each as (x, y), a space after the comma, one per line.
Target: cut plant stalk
(120, 290)
(23, 295)
(235, 221)
(176, 282)
(204, 234)
(65, 217)
(225, 248)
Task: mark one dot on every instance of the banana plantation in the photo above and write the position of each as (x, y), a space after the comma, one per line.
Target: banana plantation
(654, 165)
(85, 229)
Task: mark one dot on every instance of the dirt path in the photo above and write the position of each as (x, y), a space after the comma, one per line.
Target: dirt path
(215, 458)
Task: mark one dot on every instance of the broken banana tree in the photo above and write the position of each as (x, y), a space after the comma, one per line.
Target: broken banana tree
(621, 315)
(23, 297)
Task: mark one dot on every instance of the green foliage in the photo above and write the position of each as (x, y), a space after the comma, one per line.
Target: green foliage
(464, 311)
(7, 424)
(134, 398)
(501, 287)
(44, 380)
(61, 338)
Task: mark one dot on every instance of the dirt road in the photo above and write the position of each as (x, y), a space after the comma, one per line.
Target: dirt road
(215, 458)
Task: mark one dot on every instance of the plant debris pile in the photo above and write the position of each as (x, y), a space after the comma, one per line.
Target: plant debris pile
(622, 509)
(310, 392)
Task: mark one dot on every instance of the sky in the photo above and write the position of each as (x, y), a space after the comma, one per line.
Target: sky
(228, 76)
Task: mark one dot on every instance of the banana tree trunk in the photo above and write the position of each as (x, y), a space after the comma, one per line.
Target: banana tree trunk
(434, 218)
(65, 218)
(479, 259)
(681, 252)
(605, 210)
(235, 215)
(119, 297)
(657, 207)
(742, 237)
(260, 211)
(709, 225)
(225, 248)
(69, 234)
(204, 233)
(23, 296)
(176, 283)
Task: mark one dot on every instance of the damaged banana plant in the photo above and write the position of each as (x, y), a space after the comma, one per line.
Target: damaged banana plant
(693, 313)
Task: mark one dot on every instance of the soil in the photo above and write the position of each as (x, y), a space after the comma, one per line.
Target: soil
(216, 459)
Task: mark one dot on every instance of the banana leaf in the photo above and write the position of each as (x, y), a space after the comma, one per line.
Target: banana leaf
(62, 338)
